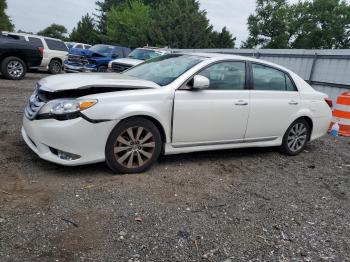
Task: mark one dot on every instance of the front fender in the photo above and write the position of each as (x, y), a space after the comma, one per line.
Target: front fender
(149, 102)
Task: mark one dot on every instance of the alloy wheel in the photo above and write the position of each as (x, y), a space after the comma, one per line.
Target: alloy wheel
(15, 69)
(56, 67)
(134, 147)
(297, 137)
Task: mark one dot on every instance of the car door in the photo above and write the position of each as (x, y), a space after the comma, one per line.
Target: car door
(217, 115)
(274, 102)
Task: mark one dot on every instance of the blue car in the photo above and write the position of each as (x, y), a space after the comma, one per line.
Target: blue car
(95, 59)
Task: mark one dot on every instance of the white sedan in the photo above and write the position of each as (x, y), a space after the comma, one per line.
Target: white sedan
(177, 103)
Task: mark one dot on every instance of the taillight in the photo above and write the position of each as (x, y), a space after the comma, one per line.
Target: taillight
(329, 102)
(41, 51)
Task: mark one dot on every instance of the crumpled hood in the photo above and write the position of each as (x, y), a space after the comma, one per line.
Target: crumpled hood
(87, 80)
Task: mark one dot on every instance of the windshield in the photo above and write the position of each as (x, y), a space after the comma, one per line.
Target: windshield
(143, 54)
(163, 70)
(104, 50)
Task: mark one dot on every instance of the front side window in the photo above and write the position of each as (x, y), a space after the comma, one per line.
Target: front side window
(163, 70)
(56, 45)
(226, 76)
(79, 46)
(35, 41)
(267, 78)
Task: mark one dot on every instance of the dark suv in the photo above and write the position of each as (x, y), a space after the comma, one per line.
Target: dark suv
(16, 57)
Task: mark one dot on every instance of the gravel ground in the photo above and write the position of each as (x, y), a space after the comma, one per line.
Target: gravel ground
(236, 205)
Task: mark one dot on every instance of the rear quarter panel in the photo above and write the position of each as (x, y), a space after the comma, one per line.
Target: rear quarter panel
(319, 112)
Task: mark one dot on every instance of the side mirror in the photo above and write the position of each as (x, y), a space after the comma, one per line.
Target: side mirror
(200, 82)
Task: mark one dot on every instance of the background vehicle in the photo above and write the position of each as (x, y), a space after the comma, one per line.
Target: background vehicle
(177, 103)
(74, 45)
(95, 59)
(136, 57)
(16, 57)
(55, 51)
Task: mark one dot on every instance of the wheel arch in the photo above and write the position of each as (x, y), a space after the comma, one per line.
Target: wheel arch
(14, 54)
(58, 59)
(155, 121)
(309, 121)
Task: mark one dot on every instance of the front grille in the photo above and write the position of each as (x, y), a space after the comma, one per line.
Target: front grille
(118, 68)
(34, 106)
(77, 59)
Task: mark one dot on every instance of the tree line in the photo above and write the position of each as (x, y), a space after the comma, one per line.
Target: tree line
(182, 24)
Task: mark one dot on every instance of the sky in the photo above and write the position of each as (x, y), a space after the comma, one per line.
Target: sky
(35, 15)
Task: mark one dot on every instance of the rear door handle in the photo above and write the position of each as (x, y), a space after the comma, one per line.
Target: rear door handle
(293, 102)
(241, 103)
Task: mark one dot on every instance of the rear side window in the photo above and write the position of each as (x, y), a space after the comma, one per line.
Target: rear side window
(267, 78)
(79, 46)
(35, 41)
(56, 45)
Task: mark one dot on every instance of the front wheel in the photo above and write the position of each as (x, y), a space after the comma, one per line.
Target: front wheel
(296, 137)
(102, 69)
(133, 146)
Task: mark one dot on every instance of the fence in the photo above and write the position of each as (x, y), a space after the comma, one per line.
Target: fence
(326, 70)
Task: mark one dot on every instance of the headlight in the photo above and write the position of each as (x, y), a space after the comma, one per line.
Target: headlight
(67, 106)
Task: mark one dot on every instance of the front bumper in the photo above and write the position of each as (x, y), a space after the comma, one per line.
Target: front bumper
(78, 68)
(76, 136)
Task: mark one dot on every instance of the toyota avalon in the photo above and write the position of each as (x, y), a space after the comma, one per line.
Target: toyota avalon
(177, 103)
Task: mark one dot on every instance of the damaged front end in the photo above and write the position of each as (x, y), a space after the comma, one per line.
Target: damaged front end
(65, 104)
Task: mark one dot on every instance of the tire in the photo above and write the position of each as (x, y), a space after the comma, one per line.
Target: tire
(55, 67)
(133, 146)
(13, 68)
(102, 69)
(296, 137)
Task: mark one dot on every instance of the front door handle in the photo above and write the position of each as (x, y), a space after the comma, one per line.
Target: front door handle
(293, 102)
(241, 103)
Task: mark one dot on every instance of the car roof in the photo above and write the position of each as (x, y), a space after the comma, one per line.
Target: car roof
(221, 56)
(31, 35)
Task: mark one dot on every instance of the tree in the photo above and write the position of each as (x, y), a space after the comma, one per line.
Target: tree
(104, 6)
(54, 31)
(269, 27)
(307, 24)
(5, 22)
(322, 24)
(182, 24)
(173, 23)
(224, 39)
(85, 31)
(130, 24)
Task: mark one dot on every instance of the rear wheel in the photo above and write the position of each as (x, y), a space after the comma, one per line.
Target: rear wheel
(13, 68)
(55, 67)
(133, 146)
(296, 137)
